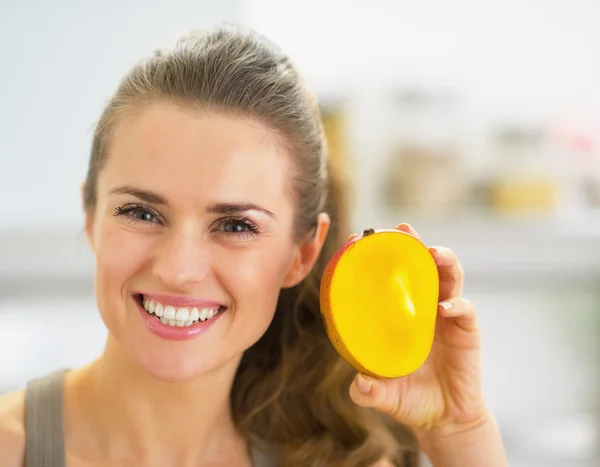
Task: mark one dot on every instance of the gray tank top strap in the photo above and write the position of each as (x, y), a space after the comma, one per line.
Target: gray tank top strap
(44, 429)
(264, 455)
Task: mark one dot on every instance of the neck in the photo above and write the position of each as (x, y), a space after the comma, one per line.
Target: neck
(130, 414)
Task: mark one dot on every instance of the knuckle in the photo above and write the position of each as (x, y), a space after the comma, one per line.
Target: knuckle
(469, 305)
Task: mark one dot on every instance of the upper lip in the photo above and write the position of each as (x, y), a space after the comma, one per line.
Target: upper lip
(179, 301)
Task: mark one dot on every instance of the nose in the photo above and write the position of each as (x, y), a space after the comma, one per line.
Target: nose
(182, 260)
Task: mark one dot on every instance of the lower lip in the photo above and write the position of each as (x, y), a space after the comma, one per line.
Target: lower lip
(173, 333)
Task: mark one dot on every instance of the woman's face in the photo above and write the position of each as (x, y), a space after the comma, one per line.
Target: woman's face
(193, 238)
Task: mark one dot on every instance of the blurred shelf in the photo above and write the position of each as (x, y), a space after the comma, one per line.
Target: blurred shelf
(47, 253)
(487, 247)
(510, 249)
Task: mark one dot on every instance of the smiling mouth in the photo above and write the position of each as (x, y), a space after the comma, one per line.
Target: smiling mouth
(177, 316)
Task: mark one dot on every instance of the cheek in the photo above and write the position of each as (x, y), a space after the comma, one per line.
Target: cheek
(120, 255)
(255, 277)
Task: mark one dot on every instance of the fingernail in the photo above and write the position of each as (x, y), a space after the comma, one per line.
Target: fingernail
(437, 250)
(363, 384)
(446, 305)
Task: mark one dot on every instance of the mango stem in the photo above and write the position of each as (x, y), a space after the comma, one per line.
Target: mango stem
(368, 232)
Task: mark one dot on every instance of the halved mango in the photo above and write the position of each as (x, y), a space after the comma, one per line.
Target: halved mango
(379, 300)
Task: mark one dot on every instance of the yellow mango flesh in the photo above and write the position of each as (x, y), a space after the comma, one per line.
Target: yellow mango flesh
(379, 298)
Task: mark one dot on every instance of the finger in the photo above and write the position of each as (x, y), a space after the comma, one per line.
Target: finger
(461, 310)
(451, 272)
(404, 227)
(366, 391)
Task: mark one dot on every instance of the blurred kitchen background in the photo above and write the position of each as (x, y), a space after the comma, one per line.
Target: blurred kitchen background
(476, 121)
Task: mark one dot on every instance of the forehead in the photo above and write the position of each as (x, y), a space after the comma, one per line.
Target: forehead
(198, 155)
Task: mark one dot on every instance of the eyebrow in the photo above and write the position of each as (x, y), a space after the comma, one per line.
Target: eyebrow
(237, 208)
(215, 208)
(144, 195)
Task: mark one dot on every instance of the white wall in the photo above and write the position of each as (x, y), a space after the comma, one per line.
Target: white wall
(538, 57)
(59, 63)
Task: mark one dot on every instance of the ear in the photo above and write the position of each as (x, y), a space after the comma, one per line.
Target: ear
(89, 219)
(307, 253)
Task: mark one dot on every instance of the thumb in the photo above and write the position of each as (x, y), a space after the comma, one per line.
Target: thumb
(366, 391)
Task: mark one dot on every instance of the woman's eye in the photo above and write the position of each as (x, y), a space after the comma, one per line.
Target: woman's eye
(242, 227)
(235, 227)
(142, 215)
(138, 213)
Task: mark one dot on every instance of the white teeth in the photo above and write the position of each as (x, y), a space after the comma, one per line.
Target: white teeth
(182, 314)
(178, 317)
(169, 312)
(204, 314)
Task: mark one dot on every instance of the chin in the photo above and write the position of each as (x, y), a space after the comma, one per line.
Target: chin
(169, 368)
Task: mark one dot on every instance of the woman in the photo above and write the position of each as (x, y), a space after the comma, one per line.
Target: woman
(211, 210)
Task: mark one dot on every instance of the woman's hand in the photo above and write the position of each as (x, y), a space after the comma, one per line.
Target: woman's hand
(442, 401)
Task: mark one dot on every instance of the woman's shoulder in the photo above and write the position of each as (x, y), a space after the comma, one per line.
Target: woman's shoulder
(12, 429)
